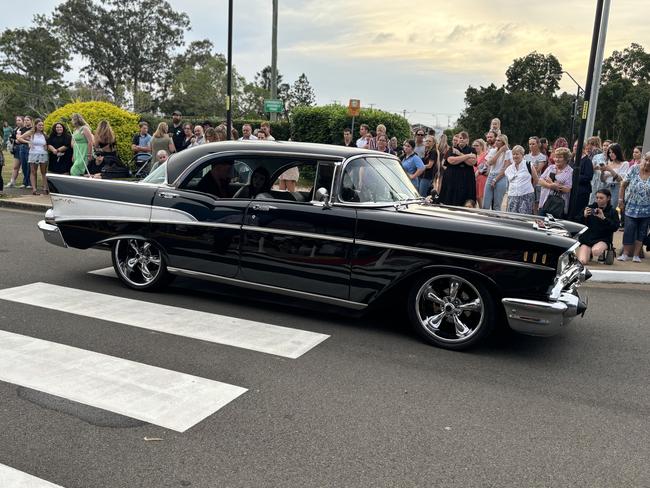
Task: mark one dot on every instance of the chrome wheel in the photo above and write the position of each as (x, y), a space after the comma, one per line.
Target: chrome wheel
(450, 309)
(137, 262)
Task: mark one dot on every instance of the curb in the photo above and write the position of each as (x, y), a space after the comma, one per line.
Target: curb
(17, 204)
(630, 277)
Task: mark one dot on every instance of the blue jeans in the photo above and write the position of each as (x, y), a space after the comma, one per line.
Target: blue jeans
(493, 197)
(23, 155)
(424, 186)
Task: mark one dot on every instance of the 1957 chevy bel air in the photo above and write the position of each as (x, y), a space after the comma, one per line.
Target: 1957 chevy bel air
(353, 233)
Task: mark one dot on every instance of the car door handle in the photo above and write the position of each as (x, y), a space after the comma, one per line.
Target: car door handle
(167, 194)
(263, 208)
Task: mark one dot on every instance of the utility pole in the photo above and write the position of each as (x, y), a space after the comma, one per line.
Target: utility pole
(229, 84)
(598, 69)
(585, 110)
(274, 58)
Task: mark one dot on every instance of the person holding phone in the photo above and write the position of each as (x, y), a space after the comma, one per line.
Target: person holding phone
(602, 221)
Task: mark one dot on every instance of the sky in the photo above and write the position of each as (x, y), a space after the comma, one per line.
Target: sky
(417, 56)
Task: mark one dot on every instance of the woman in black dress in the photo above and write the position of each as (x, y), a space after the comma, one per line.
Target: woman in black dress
(59, 147)
(458, 180)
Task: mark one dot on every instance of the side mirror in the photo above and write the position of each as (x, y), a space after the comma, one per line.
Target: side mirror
(322, 195)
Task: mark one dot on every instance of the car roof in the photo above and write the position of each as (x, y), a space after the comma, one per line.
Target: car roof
(180, 161)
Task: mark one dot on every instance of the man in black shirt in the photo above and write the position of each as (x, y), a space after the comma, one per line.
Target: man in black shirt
(216, 181)
(176, 130)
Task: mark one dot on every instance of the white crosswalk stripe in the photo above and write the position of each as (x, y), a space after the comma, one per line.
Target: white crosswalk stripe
(159, 396)
(12, 478)
(221, 329)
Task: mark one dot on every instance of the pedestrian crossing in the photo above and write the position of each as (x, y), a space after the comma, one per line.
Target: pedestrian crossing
(12, 478)
(159, 396)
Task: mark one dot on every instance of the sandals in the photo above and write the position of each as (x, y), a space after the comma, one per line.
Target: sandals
(35, 192)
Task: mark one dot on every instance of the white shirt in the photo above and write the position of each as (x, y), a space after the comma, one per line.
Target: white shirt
(496, 168)
(537, 161)
(251, 138)
(38, 144)
(362, 142)
(519, 180)
(270, 138)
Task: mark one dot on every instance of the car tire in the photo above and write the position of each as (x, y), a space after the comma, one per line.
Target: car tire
(140, 264)
(451, 310)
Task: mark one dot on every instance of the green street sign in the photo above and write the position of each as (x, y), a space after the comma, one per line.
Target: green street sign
(273, 106)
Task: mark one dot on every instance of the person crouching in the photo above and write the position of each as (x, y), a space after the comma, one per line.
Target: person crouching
(602, 221)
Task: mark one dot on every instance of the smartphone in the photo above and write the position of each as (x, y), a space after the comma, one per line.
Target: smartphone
(552, 176)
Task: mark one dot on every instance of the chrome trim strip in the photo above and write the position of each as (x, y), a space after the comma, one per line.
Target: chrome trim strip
(296, 233)
(56, 176)
(436, 252)
(273, 289)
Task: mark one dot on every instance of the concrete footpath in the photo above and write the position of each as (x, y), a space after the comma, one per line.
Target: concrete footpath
(619, 272)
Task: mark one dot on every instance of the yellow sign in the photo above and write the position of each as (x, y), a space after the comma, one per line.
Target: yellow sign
(354, 107)
(585, 109)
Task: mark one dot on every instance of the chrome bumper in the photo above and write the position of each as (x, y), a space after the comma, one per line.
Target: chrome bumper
(52, 234)
(546, 318)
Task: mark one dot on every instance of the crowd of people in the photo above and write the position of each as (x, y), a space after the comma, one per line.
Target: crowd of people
(612, 193)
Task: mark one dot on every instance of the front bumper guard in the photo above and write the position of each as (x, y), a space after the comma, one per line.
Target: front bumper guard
(546, 318)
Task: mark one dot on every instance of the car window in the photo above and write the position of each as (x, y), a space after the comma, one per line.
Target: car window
(375, 180)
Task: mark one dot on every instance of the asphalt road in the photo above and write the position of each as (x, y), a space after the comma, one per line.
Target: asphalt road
(370, 406)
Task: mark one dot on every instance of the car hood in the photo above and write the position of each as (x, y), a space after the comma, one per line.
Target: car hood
(563, 228)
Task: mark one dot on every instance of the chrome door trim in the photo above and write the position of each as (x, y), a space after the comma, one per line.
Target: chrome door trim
(435, 252)
(269, 288)
(296, 233)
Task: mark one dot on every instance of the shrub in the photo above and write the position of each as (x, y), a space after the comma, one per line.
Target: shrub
(325, 124)
(124, 123)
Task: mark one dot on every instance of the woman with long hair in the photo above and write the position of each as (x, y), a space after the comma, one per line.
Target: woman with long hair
(188, 137)
(22, 141)
(431, 160)
(105, 146)
(637, 156)
(458, 186)
(82, 143)
(59, 145)
(481, 169)
(614, 171)
(37, 155)
(161, 140)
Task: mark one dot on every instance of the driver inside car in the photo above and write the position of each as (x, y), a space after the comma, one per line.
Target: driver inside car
(217, 181)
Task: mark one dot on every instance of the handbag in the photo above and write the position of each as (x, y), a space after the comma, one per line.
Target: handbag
(554, 205)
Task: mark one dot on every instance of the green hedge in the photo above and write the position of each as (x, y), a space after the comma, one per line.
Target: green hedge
(123, 123)
(325, 124)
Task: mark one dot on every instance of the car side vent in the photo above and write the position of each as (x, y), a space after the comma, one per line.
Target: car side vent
(535, 257)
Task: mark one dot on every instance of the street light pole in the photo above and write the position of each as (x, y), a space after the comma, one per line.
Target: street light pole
(585, 110)
(598, 68)
(229, 75)
(274, 58)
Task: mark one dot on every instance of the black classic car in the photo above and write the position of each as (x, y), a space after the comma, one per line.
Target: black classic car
(351, 231)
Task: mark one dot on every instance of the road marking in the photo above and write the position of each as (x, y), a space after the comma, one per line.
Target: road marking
(170, 399)
(607, 276)
(12, 478)
(221, 329)
(110, 271)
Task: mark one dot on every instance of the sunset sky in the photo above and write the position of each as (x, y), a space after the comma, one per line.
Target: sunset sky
(417, 56)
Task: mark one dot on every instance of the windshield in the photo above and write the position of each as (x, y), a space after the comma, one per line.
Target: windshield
(157, 176)
(376, 180)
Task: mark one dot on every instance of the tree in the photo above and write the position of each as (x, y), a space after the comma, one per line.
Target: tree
(40, 60)
(126, 43)
(301, 93)
(633, 63)
(534, 73)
